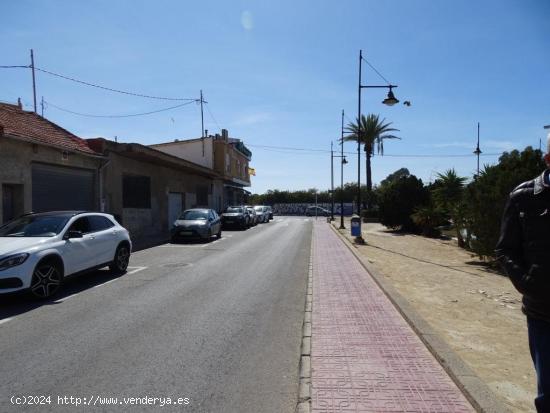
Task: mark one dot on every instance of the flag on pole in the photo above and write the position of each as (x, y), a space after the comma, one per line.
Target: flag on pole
(251, 171)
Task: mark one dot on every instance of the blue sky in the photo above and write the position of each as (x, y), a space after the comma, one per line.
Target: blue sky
(278, 73)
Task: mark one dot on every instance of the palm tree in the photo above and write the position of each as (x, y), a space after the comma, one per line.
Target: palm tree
(448, 194)
(373, 132)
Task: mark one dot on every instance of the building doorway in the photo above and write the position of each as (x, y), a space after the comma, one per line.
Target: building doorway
(12, 201)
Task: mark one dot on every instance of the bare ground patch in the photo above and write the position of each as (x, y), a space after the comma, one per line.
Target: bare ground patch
(475, 310)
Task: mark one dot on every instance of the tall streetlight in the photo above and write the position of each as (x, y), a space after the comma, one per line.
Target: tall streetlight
(390, 101)
(343, 161)
(477, 152)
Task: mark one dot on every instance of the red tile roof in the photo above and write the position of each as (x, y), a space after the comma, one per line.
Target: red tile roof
(30, 127)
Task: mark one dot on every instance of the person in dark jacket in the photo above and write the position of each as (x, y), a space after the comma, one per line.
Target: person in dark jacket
(524, 250)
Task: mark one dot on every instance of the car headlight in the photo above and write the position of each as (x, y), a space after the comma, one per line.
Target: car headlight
(13, 261)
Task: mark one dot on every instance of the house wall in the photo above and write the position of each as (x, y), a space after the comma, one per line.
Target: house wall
(149, 226)
(199, 151)
(16, 158)
(230, 163)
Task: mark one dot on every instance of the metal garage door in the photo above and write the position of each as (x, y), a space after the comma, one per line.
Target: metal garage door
(62, 188)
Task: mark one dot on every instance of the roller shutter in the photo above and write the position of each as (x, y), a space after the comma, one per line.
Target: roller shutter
(58, 188)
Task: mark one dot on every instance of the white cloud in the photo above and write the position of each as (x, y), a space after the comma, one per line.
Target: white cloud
(501, 145)
(451, 145)
(246, 20)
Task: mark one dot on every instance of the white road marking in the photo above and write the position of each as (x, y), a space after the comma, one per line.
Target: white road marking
(6, 320)
(213, 242)
(65, 298)
(180, 246)
(135, 269)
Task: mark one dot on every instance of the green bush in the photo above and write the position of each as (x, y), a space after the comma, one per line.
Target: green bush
(397, 201)
(488, 193)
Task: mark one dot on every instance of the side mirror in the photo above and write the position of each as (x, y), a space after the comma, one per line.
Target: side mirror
(73, 234)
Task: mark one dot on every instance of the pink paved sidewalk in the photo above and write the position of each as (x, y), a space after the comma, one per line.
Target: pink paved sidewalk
(364, 355)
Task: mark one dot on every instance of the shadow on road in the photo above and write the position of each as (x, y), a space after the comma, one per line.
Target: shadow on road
(20, 303)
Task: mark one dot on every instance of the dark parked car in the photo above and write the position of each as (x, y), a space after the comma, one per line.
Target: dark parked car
(313, 211)
(269, 212)
(236, 216)
(200, 223)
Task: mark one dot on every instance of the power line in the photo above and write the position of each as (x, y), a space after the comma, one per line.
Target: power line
(212, 116)
(48, 104)
(301, 151)
(14, 67)
(110, 89)
(373, 68)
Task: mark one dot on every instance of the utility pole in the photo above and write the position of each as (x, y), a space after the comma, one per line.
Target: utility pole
(202, 117)
(359, 142)
(331, 182)
(202, 125)
(342, 159)
(33, 81)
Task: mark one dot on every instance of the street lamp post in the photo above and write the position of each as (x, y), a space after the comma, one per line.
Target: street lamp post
(343, 161)
(390, 101)
(331, 183)
(477, 152)
(342, 173)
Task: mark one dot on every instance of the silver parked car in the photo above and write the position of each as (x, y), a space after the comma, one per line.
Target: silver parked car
(262, 213)
(252, 214)
(200, 223)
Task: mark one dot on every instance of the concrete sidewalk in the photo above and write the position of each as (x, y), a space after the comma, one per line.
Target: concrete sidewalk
(364, 355)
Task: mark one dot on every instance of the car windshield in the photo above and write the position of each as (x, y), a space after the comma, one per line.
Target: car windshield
(193, 215)
(234, 209)
(34, 226)
(259, 208)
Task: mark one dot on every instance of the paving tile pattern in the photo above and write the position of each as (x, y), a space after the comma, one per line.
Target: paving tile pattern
(364, 355)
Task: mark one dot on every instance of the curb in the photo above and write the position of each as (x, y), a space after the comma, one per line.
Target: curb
(304, 388)
(481, 397)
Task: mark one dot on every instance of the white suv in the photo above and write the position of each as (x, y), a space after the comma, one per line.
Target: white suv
(38, 250)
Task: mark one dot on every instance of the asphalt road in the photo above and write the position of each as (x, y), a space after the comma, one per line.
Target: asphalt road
(218, 324)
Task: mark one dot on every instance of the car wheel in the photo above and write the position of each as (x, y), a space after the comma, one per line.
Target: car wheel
(219, 234)
(122, 258)
(46, 279)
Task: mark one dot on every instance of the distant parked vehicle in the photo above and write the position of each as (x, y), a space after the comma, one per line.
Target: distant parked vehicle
(200, 223)
(236, 216)
(252, 214)
(38, 251)
(261, 212)
(313, 211)
(269, 212)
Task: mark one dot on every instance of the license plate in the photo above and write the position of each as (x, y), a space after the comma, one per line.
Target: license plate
(186, 233)
(228, 221)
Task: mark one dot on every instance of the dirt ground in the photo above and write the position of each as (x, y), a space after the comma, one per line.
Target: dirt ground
(476, 311)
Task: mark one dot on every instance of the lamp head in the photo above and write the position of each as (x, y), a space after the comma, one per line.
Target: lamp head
(390, 100)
